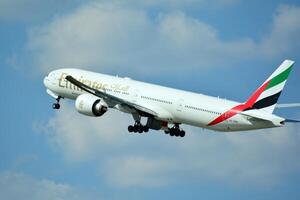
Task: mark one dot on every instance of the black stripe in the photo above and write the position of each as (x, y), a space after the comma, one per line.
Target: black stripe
(266, 102)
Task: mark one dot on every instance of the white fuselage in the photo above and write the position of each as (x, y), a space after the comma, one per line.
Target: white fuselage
(173, 106)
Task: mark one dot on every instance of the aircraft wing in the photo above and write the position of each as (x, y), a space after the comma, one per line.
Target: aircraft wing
(111, 99)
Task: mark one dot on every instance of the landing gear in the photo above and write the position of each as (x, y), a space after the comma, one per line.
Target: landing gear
(175, 131)
(138, 128)
(56, 105)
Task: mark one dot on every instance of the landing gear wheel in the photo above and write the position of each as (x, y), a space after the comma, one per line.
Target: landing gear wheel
(130, 129)
(145, 129)
(177, 132)
(182, 133)
(135, 129)
(56, 106)
(140, 129)
(172, 133)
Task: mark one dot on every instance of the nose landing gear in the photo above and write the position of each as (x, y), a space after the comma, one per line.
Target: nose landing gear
(56, 105)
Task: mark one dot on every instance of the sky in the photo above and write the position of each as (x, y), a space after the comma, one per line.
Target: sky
(223, 48)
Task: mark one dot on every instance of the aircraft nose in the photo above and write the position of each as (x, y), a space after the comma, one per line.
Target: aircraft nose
(46, 81)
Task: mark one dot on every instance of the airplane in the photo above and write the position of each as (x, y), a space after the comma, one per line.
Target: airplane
(167, 108)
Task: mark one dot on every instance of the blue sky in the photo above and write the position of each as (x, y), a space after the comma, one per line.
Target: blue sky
(226, 48)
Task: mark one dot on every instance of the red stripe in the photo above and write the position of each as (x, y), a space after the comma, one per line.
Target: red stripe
(230, 113)
(239, 108)
(251, 101)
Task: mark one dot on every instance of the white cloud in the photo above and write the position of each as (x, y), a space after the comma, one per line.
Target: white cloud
(19, 186)
(261, 158)
(94, 35)
(170, 4)
(36, 10)
(32, 10)
(103, 36)
(106, 35)
(138, 171)
(283, 38)
(80, 137)
(150, 160)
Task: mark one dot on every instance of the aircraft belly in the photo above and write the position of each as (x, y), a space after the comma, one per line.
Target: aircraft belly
(193, 118)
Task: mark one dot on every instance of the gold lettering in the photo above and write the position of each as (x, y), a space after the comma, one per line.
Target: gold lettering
(62, 80)
(87, 82)
(97, 86)
(68, 85)
(75, 87)
(125, 88)
(94, 84)
(104, 86)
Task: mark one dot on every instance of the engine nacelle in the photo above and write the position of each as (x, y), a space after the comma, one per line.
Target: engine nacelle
(90, 105)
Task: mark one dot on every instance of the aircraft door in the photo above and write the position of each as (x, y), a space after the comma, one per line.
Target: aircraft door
(180, 105)
(135, 95)
(226, 121)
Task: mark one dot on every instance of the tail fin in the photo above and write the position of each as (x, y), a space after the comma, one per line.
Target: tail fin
(267, 95)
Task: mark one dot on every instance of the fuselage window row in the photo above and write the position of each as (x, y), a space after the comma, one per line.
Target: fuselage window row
(158, 100)
(203, 110)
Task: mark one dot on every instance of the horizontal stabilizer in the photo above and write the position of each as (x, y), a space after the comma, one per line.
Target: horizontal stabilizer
(288, 105)
(291, 121)
(256, 115)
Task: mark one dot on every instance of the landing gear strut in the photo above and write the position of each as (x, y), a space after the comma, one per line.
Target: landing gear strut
(175, 131)
(56, 105)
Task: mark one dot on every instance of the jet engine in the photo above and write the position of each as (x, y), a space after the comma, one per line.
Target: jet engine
(90, 105)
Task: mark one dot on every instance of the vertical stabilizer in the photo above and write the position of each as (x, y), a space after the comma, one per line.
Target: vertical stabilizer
(266, 96)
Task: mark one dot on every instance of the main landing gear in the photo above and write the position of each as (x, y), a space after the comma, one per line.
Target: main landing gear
(138, 128)
(56, 105)
(175, 131)
(155, 125)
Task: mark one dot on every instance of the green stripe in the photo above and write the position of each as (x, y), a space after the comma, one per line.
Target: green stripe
(279, 78)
